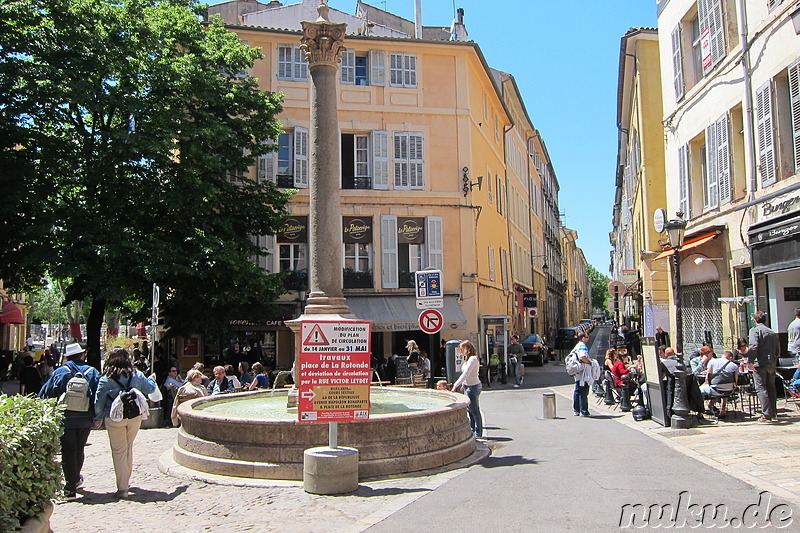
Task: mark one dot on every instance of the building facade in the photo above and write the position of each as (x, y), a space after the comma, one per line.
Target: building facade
(731, 95)
(440, 168)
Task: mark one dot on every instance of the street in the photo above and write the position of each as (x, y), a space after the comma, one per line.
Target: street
(565, 474)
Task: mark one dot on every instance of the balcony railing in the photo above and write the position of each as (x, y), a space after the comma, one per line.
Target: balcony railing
(362, 182)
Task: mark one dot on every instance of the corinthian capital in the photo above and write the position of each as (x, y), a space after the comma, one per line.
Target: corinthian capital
(322, 42)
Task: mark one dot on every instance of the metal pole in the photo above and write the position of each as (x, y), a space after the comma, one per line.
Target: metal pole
(676, 278)
(333, 435)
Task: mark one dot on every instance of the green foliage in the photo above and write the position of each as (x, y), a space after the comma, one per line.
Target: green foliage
(29, 474)
(599, 284)
(121, 124)
(48, 305)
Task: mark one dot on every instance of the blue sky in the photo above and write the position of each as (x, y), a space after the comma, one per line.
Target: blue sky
(565, 58)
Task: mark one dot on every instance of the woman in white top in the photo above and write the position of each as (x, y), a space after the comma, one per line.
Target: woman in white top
(469, 378)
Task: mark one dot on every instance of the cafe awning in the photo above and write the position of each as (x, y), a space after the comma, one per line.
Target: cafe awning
(688, 244)
(400, 313)
(11, 314)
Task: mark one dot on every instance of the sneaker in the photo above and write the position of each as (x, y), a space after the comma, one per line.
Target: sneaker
(69, 496)
(576, 413)
(80, 483)
(516, 386)
(764, 420)
(586, 415)
(121, 494)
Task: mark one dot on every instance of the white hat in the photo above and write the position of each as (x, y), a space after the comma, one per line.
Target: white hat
(73, 349)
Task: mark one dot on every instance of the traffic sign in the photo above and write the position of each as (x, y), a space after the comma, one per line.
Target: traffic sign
(431, 321)
(428, 283)
(335, 374)
(529, 299)
(618, 285)
(533, 312)
(430, 303)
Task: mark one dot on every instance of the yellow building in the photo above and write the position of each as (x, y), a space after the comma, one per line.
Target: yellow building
(437, 171)
(641, 185)
(578, 295)
(13, 318)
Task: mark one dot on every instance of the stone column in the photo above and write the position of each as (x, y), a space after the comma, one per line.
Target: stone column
(322, 43)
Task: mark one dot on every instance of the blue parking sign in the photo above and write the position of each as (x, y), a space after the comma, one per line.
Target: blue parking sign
(428, 283)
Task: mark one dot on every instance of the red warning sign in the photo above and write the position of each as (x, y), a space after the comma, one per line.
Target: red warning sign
(316, 337)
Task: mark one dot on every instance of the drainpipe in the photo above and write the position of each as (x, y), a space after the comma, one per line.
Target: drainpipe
(749, 135)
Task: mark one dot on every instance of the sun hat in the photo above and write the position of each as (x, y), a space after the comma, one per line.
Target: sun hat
(73, 349)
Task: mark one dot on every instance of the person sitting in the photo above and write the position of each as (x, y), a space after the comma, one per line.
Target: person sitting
(199, 367)
(699, 360)
(245, 377)
(193, 388)
(229, 373)
(261, 380)
(621, 373)
(721, 378)
(742, 349)
(611, 356)
(442, 385)
(220, 384)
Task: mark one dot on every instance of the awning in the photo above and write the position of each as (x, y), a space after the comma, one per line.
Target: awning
(400, 313)
(11, 314)
(688, 245)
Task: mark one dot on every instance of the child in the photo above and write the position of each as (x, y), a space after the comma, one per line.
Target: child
(441, 385)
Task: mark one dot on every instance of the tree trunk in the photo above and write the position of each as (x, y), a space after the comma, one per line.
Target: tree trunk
(93, 325)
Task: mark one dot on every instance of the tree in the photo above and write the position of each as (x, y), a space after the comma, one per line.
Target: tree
(125, 130)
(599, 284)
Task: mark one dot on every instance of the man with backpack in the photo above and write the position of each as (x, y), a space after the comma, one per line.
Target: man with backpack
(74, 384)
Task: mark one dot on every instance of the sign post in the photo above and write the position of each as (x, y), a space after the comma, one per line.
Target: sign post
(334, 376)
(428, 285)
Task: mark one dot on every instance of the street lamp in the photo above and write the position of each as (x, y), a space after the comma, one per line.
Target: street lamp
(675, 229)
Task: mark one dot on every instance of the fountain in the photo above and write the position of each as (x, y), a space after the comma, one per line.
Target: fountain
(253, 435)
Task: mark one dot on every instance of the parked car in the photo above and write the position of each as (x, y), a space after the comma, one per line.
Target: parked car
(567, 338)
(536, 350)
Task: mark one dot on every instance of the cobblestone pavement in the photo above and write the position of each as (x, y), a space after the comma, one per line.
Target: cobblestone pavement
(158, 501)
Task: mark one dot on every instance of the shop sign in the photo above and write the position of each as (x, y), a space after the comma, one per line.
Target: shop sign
(356, 230)
(411, 230)
(775, 234)
(780, 205)
(791, 294)
(335, 373)
(295, 229)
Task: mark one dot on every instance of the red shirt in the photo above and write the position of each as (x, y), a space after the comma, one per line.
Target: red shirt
(619, 370)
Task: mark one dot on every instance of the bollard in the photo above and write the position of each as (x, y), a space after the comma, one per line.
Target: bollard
(549, 405)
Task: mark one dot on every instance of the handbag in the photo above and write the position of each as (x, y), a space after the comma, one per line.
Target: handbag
(574, 365)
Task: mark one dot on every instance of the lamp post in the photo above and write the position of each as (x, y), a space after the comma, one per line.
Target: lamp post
(675, 230)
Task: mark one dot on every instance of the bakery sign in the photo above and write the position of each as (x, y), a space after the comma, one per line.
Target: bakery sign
(295, 229)
(356, 230)
(411, 230)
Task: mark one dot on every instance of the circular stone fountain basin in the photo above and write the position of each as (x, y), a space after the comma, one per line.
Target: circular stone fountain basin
(254, 435)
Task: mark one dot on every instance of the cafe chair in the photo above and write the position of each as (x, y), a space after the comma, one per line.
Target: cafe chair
(613, 393)
(790, 394)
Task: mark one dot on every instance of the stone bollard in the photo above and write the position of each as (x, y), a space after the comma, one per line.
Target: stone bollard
(549, 405)
(330, 470)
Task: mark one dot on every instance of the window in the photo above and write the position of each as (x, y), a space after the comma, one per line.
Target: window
(717, 178)
(697, 48)
(347, 67)
(409, 244)
(267, 245)
(288, 166)
(357, 266)
(402, 69)
(773, 3)
(712, 32)
(292, 257)
(291, 63)
(408, 162)
(504, 268)
(499, 189)
(355, 161)
(489, 184)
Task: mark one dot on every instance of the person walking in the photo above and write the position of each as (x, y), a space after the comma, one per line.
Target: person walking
(580, 397)
(472, 385)
(762, 360)
(515, 353)
(793, 333)
(120, 374)
(77, 423)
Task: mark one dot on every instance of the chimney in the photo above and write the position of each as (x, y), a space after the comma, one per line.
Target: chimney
(418, 19)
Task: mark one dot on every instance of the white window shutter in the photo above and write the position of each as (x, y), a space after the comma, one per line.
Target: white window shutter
(415, 161)
(491, 263)
(683, 182)
(724, 159)
(377, 67)
(717, 30)
(794, 102)
(380, 159)
(300, 157)
(677, 63)
(400, 159)
(389, 277)
(347, 67)
(504, 268)
(712, 174)
(766, 143)
(434, 243)
(265, 167)
(489, 184)
(267, 243)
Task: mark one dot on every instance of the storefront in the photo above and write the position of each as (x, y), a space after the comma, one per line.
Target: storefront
(775, 249)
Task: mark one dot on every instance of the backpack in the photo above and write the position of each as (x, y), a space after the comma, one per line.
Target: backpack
(127, 396)
(76, 397)
(574, 365)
